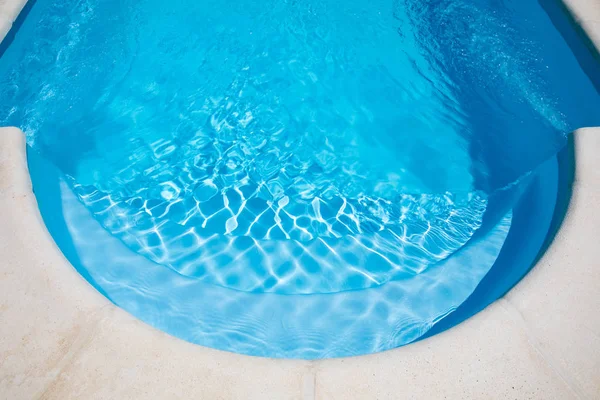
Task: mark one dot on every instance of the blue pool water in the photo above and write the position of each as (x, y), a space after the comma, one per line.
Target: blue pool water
(297, 179)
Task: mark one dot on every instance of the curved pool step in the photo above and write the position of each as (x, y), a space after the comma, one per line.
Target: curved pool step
(427, 230)
(269, 324)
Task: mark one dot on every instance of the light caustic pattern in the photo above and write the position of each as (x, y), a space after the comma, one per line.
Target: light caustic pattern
(253, 244)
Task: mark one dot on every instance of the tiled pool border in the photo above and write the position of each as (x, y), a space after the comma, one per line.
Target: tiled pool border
(60, 339)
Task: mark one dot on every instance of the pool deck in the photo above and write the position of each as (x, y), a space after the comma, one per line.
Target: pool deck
(60, 339)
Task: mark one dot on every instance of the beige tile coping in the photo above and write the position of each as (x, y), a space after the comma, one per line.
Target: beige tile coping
(60, 339)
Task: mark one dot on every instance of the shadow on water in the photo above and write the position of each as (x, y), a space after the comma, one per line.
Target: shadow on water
(566, 177)
(506, 272)
(46, 185)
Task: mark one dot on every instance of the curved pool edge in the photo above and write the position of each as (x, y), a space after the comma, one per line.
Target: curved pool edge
(59, 338)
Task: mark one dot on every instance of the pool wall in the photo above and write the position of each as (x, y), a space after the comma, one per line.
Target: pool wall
(61, 339)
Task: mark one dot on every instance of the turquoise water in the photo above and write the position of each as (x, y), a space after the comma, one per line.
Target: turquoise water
(260, 177)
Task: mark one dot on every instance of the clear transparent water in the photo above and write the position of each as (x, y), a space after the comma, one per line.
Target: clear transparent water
(297, 148)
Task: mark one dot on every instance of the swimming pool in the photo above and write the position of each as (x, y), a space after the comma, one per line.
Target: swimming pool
(304, 185)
